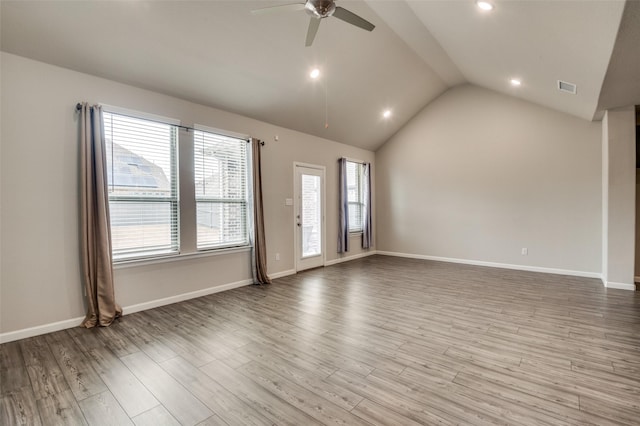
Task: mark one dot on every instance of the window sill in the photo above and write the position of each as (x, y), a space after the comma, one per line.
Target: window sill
(123, 264)
(354, 233)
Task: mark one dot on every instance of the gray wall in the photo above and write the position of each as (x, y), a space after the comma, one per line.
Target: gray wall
(40, 270)
(619, 192)
(477, 176)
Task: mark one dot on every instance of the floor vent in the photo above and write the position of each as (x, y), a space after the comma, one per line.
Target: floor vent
(563, 86)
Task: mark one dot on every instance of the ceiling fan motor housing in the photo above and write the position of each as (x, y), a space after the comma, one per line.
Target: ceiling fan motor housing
(320, 8)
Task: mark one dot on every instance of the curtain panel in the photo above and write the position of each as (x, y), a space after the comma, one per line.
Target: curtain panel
(258, 238)
(102, 308)
(367, 225)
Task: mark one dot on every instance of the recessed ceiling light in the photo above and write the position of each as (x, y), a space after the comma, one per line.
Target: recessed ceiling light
(516, 82)
(484, 5)
(386, 113)
(315, 73)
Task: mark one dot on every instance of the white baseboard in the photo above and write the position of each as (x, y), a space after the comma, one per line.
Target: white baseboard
(40, 329)
(620, 286)
(348, 258)
(282, 274)
(496, 265)
(75, 322)
(184, 296)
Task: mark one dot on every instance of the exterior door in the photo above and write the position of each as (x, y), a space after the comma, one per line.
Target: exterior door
(309, 216)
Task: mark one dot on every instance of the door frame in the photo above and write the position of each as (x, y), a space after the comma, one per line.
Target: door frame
(296, 207)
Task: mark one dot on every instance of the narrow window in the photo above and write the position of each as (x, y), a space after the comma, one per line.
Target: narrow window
(355, 195)
(220, 172)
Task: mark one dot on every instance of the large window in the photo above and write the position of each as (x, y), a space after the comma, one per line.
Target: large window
(142, 184)
(220, 165)
(355, 195)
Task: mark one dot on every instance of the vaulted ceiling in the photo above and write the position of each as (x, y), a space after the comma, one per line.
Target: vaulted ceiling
(217, 53)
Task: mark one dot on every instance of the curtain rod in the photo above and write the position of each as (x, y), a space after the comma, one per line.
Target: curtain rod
(186, 128)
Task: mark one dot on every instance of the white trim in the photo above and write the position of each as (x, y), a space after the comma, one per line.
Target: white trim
(40, 329)
(496, 265)
(132, 113)
(282, 274)
(620, 286)
(309, 165)
(353, 160)
(184, 296)
(220, 132)
(75, 322)
(348, 258)
(177, 257)
(296, 207)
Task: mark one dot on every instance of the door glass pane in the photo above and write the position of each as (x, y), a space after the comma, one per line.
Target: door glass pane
(311, 220)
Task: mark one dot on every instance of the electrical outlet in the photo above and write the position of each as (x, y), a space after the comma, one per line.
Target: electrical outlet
(525, 251)
(277, 256)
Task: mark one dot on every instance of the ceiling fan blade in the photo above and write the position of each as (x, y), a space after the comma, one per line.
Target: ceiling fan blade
(353, 19)
(314, 24)
(280, 8)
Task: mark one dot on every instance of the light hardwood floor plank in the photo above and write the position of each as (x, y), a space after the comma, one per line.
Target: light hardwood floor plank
(80, 375)
(45, 374)
(157, 416)
(181, 403)
(132, 395)
(315, 406)
(19, 408)
(103, 409)
(379, 340)
(61, 409)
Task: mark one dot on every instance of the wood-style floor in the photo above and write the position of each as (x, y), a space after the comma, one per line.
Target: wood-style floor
(381, 340)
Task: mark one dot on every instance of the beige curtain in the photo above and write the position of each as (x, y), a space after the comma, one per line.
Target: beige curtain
(367, 218)
(97, 271)
(259, 251)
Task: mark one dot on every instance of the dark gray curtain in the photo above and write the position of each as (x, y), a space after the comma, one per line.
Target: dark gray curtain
(367, 225)
(259, 244)
(102, 308)
(343, 207)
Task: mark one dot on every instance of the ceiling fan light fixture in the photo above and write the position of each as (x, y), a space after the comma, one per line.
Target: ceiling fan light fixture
(320, 8)
(484, 5)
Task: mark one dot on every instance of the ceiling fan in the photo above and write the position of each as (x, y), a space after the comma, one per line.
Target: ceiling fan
(320, 9)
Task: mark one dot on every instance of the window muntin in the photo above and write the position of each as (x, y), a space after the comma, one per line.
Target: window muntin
(355, 195)
(221, 175)
(142, 185)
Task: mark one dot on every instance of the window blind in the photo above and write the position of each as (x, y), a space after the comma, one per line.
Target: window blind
(355, 196)
(221, 167)
(142, 184)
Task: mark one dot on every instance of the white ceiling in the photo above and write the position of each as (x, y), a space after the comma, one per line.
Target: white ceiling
(621, 86)
(217, 53)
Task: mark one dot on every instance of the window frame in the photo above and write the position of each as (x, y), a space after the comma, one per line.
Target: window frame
(142, 254)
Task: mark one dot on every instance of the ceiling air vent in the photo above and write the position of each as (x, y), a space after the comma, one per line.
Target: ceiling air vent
(563, 86)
